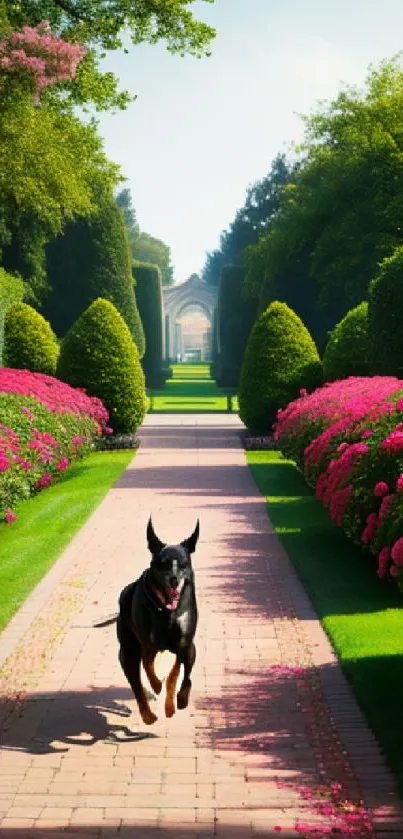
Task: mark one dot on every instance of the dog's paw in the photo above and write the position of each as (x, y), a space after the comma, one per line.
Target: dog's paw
(148, 716)
(182, 699)
(169, 708)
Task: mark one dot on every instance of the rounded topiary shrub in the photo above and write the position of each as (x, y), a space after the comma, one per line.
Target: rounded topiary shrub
(29, 341)
(280, 359)
(346, 353)
(385, 304)
(99, 354)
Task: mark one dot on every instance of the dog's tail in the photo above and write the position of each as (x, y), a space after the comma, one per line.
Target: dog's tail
(106, 621)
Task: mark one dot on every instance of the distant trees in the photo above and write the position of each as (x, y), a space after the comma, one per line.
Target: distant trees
(329, 219)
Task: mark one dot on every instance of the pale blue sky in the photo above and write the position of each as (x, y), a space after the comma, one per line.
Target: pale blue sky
(200, 131)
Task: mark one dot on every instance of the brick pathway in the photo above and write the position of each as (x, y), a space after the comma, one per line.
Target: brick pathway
(272, 743)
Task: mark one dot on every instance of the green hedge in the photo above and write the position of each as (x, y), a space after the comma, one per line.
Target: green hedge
(30, 343)
(11, 292)
(346, 353)
(99, 354)
(147, 279)
(92, 259)
(280, 359)
(385, 306)
(236, 316)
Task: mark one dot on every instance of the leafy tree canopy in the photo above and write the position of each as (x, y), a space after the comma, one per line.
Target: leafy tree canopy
(149, 249)
(103, 24)
(345, 203)
(50, 166)
(251, 221)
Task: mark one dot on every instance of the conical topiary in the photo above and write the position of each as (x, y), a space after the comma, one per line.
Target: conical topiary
(99, 354)
(346, 353)
(29, 341)
(280, 359)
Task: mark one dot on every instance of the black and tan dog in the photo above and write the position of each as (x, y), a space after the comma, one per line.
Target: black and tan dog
(158, 612)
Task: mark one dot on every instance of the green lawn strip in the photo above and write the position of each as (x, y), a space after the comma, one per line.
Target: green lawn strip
(362, 615)
(191, 390)
(47, 522)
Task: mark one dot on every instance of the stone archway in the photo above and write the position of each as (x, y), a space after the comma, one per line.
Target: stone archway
(193, 294)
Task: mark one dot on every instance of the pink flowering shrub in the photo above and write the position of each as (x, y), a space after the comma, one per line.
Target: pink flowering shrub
(36, 54)
(348, 439)
(44, 426)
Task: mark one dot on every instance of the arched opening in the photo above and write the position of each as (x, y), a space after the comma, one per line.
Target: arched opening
(193, 334)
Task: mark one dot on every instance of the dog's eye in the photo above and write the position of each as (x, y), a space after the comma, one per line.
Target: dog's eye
(183, 562)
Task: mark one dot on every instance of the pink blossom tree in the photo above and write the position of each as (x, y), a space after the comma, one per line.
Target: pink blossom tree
(35, 53)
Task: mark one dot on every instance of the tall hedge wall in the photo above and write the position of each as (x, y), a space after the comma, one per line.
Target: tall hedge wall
(147, 278)
(92, 259)
(236, 316)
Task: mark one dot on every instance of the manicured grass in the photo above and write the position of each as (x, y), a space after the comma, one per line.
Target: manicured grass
(46, 523)
(362, 615)
(191, 390)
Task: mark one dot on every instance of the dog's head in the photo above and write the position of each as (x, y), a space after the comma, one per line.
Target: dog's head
(171, 567)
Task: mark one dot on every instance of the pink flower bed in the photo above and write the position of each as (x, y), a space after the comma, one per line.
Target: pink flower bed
(348, 438)
(45, 425)
(54, 394)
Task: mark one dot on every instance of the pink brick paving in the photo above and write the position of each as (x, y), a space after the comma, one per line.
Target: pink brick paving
(273, 743)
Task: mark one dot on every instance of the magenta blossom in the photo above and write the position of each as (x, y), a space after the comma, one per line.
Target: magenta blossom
(397, 552)
(381, 489)
(63, 464)
(44, 481)
(9, 516)
(383, 561)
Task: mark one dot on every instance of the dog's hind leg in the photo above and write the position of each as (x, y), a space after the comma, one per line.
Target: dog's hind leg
(148, 664)
(188, 658)
(130, 658)
(171, 687)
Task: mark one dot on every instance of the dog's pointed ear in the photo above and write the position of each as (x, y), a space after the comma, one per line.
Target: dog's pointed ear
(154, 544)
(190, 544)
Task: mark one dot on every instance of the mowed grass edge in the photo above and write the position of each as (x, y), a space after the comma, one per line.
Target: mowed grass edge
(362, 615)
(47, 522)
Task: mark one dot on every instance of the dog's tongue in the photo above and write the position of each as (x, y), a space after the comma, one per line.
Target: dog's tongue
(175, 594)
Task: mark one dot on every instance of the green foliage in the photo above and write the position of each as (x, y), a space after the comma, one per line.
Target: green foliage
(30, 343)
(11, 292)
(91, 259)
(235, 320)
(341, 213)
(280, 359)
(346, 353)
(99, 354)
(102, 25)
(154, 252)
(125, 204)
(384, 315)
(51, 166)
(149, 301)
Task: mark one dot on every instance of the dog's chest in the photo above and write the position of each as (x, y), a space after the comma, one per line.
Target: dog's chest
(171, 631)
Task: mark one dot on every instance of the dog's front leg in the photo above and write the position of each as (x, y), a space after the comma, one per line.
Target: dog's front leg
(188, 658)
(171, 687)
(148, 664)
(130, 658)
